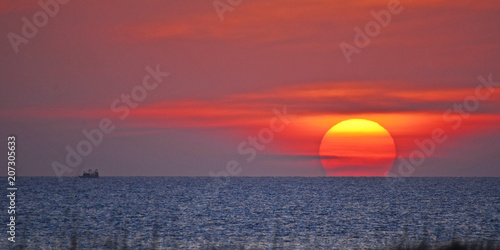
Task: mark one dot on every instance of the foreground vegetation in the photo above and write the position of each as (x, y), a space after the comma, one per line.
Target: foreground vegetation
(114, 243)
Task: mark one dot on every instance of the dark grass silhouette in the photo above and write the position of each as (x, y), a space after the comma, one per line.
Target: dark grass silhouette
(123, 242)
(454, 245)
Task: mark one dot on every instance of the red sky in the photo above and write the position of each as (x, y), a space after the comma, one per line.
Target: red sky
(227, 76)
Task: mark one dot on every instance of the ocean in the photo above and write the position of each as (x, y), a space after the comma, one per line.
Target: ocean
(252, 212)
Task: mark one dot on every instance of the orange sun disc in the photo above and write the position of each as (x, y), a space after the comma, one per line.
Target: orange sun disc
(357, 147)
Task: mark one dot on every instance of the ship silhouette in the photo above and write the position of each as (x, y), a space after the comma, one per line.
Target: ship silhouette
(90, 174)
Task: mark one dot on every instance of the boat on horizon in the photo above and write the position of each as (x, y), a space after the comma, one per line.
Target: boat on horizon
(90, 174)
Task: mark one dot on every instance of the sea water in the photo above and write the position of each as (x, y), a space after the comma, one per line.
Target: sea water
(252, 212)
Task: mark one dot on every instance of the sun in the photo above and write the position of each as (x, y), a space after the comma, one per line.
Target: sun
(357, 147)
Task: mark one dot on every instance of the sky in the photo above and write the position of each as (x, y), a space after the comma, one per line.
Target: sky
(247, 88)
